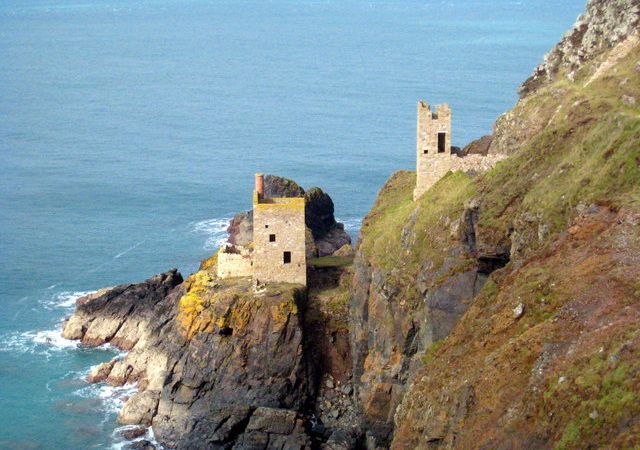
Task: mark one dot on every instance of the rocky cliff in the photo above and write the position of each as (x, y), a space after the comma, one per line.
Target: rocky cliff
(604, 24)
(216, 365)
(220, 366)
(501, 311)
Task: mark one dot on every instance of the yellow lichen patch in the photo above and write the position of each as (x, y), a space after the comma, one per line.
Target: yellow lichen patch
(194, 312)
(209, 263)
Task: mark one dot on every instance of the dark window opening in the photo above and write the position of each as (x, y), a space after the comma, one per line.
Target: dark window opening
(426, 151)
(266, 226)
(442, 139)
(287, 257)
(272, 238)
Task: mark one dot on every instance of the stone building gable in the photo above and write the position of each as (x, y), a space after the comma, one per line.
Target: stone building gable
(279, 238)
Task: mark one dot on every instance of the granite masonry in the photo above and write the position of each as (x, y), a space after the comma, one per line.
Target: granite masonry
(434, 156)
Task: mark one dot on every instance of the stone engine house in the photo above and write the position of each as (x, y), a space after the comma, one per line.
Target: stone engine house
(433, 158)
(279, 234)
(278, 252)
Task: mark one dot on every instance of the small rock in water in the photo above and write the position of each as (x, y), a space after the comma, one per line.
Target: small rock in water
(132, 433)
(141, 445)
(518, 311)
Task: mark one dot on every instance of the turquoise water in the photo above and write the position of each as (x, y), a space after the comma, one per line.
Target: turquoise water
(129, 133)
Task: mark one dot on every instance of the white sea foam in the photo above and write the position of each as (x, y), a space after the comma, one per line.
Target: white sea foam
(44, 343)
(112, 397)
(63, 300)
(120, 443)
(36, 342)
(351, 225)
(214, 229)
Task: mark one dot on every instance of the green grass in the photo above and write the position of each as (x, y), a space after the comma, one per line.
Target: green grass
(399, 235)
(431, 351)
(588, 153)
(331, 261)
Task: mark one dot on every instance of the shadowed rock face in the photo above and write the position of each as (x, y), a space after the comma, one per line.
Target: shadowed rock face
(396, 313)
(328, 235)
(478, 147)
(204, 383)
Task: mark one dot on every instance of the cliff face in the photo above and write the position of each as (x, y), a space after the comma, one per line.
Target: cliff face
(502, 311)
(217, 366)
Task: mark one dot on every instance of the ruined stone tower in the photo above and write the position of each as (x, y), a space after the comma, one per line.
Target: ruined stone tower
(278, 238)
(433, 159)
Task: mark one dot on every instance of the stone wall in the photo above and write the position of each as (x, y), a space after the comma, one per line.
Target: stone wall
(234, 261)
(279, 227)
(433, 169)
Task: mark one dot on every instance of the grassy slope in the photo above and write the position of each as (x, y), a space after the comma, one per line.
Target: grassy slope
(567, 373)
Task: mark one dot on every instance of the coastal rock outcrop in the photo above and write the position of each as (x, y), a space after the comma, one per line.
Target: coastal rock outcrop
(328, 235)
(220, 365)
(216, 365)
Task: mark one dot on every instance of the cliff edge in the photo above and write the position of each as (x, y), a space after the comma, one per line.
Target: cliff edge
(502, 311)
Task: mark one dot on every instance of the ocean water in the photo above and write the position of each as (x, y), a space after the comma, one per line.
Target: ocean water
(130, 132)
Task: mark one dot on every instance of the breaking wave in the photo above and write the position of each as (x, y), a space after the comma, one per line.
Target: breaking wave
(63, 300)
(352, 226)
(215, 231)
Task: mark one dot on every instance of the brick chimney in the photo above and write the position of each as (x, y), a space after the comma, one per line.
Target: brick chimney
(260, 185)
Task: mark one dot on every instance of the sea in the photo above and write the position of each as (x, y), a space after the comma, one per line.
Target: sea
(130, 132)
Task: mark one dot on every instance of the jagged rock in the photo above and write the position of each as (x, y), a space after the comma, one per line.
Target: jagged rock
(342, 439)
(275, 186)
(478, 147)
(141, 445)
(199, 388)
(139, 408)
(604, 24)
(335, 239)
(319, 212)
(100, 372)
(240, 229)
(133, 432)
(117, 315)
(272, 420)
(345, 251)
